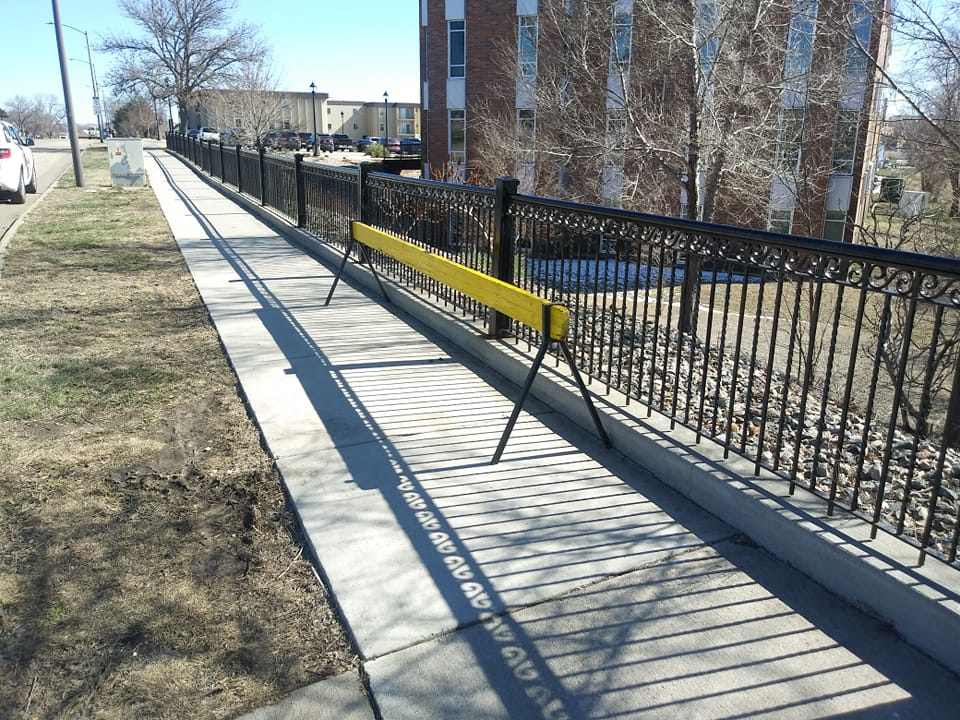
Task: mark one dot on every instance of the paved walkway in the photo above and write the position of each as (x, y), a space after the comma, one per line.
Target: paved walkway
(564, 582)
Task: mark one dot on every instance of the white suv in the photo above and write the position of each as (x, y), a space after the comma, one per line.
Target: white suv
(18, 171)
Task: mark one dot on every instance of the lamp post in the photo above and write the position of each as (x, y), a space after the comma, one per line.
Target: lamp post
(169, 115)
(386, 121)
(342, 131)
(313, 100)
(93, 76)
(67, 100)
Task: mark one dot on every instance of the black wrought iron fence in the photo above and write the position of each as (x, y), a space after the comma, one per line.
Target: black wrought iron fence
(836, 366)
(455, 221)
(230, 165)
(331, 201)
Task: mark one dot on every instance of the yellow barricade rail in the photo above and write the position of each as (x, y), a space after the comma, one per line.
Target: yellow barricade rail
(552, 320)
(521, 305)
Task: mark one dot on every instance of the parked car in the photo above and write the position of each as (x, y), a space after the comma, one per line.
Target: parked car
(307, 140)
(286, 140)
(366, 141)
(326, 143)
(237, 136)
(409, 146)
(342, 142)
(393, 145)
(18, 170)
(204, 133)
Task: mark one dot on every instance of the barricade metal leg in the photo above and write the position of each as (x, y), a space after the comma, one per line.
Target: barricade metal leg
(586, 395)
(364, 258)
(528, 385)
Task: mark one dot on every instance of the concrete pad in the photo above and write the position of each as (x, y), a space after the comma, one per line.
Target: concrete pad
(337, 698)
(716, 633)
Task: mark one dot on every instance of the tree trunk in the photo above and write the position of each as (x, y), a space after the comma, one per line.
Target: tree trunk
(955, 193)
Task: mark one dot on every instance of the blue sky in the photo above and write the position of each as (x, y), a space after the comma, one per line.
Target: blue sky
(351, 50)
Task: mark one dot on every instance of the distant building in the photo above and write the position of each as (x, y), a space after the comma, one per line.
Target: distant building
(484, 57)
(225, 109)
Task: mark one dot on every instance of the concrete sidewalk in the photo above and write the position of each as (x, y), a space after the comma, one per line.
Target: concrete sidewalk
(564, 582)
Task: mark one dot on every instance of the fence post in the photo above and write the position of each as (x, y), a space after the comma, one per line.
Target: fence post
(504, 239)
(951, 427)
(263, 174)
(301, 190)
(361, 190)
(239, 171)
(223, 176)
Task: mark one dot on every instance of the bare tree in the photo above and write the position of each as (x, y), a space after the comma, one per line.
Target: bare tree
(39, 116)
(254, 99)
(135, 118)
(184, 47)
(927, 78)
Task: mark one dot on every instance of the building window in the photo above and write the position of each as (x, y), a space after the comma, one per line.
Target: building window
(405, 113)
(791, 139)
(845, 141)
(622, 35)
(803, 22)
(834, 224)
(458, 135)
(780, 221)
(526, 134)
(616, 129)
(527, 50)
(456, 30)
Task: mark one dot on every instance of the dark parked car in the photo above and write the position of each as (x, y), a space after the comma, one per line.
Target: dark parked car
(409, 146)
(366, 141)
(237, 136)
(306, 140)
(342, 142)
(393, 145)
(283, 140)
(326, 143)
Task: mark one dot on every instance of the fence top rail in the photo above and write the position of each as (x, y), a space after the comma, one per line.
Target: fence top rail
(616, 221)
(521, 305)
(315, 167)
(437, 187)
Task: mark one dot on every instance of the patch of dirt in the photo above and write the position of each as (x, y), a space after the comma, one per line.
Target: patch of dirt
(150, 566)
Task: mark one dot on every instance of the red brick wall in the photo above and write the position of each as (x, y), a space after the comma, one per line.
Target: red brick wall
(489, 25)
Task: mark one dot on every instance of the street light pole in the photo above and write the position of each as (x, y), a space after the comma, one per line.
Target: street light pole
(67, 100)
(313, 100)
(93, 78)
(386, 122)
(342, 131)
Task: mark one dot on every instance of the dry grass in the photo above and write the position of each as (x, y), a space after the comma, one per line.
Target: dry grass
(148, 564)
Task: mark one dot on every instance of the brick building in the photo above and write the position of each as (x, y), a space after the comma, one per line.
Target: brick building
(574, 96)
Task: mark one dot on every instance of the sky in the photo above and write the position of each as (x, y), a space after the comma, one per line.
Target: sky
(352, 50)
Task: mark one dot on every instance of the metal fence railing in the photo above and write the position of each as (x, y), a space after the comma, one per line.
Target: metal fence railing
(833, 365)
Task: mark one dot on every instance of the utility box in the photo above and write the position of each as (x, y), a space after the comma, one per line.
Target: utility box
(126, 162)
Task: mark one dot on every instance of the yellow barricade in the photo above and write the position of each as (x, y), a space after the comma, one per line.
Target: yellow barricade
(521, 305)
(552, 320)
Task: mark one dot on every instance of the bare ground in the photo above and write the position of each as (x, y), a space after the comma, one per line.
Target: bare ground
(149, 564)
